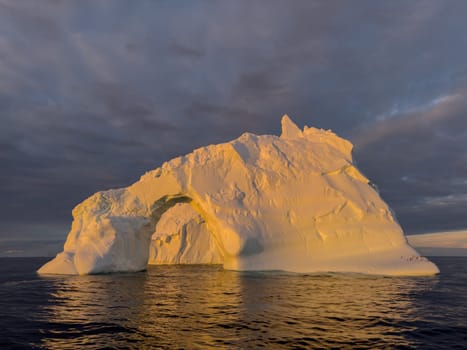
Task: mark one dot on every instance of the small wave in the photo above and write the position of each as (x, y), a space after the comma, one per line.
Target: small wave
(204, 307)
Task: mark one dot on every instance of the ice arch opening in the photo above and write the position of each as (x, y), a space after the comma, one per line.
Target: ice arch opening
(182, 236)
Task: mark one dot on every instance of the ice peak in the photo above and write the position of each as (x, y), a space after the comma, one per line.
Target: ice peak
(290, 130)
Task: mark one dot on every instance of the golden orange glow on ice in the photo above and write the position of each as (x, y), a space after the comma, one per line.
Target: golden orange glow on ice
(293, 203)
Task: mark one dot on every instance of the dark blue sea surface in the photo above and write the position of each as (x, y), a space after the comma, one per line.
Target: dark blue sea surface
(205, 307)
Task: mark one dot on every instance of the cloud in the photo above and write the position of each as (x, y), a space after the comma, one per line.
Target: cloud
(416, 157)
(405, 120)
(399, 111)
(93, 94)
(95, 57)
(445, 201)
(186, 51)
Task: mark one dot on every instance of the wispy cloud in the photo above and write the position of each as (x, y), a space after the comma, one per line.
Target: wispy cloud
(445, 201)
(403, 120)
(404, 111)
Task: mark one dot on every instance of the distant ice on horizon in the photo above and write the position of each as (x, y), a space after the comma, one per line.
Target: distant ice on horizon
(445, 243)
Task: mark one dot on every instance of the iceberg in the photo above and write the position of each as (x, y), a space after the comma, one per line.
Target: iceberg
(294, 202)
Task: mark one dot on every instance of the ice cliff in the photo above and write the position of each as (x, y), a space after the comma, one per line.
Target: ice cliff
(294, 203)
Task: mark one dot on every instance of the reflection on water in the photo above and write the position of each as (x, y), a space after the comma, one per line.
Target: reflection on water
(208, 307)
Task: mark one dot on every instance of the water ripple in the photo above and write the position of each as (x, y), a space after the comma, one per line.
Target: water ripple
(199, 307)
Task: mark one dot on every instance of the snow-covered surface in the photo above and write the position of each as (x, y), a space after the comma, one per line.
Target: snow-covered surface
(294, 203)
(450, 243)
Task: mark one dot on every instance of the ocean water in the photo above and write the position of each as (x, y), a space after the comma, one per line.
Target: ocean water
(205, 307)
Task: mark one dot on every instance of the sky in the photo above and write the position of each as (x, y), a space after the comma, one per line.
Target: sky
(95, 93)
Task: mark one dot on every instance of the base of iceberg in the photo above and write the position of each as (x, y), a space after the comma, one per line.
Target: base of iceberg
(293, 203)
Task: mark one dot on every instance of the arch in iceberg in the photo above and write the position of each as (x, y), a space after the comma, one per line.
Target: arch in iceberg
(182, 237)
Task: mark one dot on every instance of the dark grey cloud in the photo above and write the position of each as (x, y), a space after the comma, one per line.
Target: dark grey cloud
(94, 93)
(186, 51)
(417, 156)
